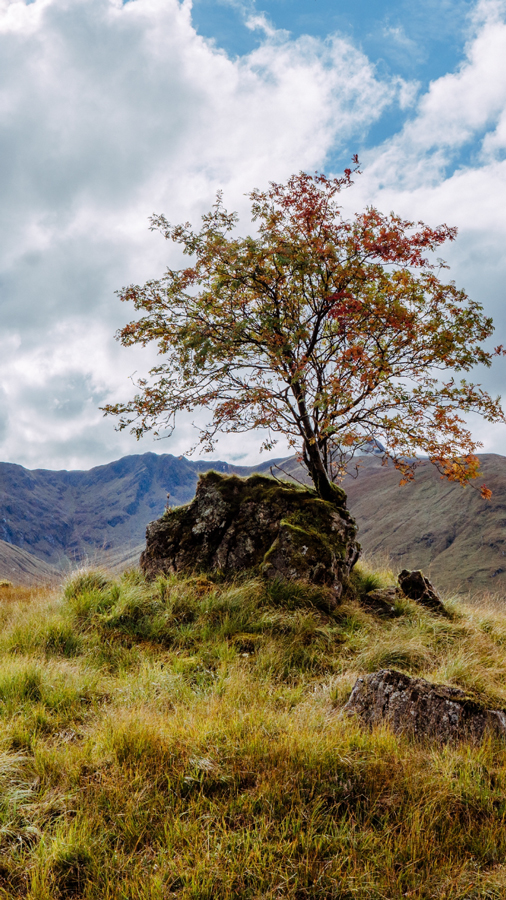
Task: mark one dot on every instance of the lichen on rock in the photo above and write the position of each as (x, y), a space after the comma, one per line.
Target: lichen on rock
(258, 525)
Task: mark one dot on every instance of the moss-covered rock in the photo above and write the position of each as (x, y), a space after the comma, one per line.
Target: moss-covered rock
(254, 524)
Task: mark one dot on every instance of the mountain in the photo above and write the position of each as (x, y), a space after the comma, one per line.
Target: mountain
(59, 515)
(20, 567)
(101, 515)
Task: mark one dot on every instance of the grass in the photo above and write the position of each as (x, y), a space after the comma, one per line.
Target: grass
(184, 739)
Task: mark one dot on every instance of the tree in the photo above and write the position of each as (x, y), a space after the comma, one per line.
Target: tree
(330, 331)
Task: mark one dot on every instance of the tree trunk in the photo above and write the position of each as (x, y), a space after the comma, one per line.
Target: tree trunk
(325, 488)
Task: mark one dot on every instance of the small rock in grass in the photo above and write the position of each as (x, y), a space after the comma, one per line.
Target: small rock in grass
(417, 587)
(414, 706)
(381, 601)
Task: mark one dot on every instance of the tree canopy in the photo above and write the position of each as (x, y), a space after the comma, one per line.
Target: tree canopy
(330, 331)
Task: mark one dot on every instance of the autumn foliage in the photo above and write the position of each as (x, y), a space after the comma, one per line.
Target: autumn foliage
(332, 332)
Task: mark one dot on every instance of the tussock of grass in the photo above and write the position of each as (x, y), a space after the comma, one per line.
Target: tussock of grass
(185, 739)
(367, 576)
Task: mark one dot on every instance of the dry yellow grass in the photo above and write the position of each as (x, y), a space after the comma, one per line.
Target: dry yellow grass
(185, 739)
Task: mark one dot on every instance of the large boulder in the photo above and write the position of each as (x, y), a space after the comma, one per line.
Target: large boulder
(255, 524)
(414, 706)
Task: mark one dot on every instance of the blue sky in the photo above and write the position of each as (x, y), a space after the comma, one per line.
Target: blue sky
(111, 111)
(418, 41)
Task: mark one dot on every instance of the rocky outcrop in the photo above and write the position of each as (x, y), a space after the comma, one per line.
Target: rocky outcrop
(254, 524)
(414, 706)
(417, 587)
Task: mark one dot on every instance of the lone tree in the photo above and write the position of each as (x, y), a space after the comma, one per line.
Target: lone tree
(332, 332)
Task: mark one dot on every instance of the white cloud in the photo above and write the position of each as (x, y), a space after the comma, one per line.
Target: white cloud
(260, 22)
(422, 174)
(462, 109)
(419, 171)
(460, 104)
(108, 113)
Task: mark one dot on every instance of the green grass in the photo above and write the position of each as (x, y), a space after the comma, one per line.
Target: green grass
(185, 739)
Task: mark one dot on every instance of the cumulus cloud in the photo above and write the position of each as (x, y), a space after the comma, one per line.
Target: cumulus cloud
(109, 112)
(447, 165)
(461, 110)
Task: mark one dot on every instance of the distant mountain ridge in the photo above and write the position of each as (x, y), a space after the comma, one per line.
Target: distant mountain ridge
(70, 515)
(57, 518)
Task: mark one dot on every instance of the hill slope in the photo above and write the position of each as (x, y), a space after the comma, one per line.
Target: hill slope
(447, 530)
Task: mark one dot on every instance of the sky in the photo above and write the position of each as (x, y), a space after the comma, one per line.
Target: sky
(111, 111)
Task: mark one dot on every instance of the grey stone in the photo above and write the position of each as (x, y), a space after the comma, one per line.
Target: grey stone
(417, 707)
(417, 587)
(381, 601)
(254, 524)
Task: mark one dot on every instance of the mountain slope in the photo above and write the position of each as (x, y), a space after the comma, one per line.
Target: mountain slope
(20, 567)
(447, 530)
(60, 515)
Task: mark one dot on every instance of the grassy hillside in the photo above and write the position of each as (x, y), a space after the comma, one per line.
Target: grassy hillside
(185, 739)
